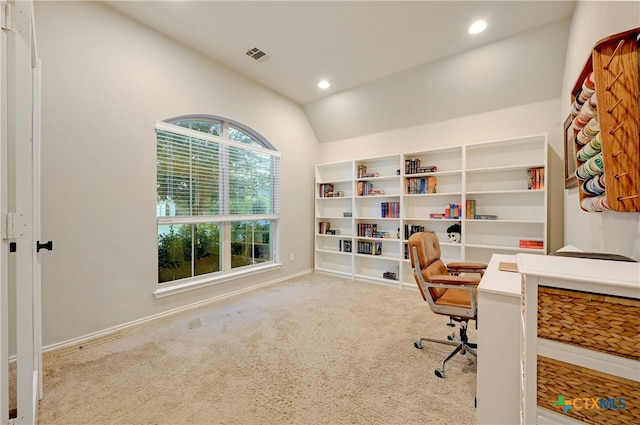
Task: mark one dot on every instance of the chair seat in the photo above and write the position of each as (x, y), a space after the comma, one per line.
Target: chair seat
(455, 298)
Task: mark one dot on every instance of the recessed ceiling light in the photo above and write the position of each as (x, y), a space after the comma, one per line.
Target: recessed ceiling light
(324, 84)
(477, 27)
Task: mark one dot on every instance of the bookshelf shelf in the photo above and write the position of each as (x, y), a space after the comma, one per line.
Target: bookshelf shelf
(502, 169)
(505, 192)
(494, 175)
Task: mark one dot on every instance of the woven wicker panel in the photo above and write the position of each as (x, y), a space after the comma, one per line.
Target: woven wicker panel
(557, 378)
(596, 322)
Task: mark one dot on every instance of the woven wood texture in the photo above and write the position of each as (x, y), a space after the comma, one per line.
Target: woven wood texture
(603, 323)
(557, 378)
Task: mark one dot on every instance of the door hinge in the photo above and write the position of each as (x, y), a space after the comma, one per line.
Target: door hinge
(13, 19)
(16, 226)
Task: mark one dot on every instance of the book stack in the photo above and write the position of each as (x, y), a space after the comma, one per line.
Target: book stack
(427, 169)
(381, 234)
(485, 217)
(531, 243)
(535, 178)
(362, 172)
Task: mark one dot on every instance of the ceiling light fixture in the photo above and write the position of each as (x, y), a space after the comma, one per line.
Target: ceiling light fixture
(324, 84)
(477, 27)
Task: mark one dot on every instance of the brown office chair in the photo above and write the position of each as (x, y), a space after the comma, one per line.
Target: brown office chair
(447, 289)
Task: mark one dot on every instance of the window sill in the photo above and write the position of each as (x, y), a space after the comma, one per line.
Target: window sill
(168, 289)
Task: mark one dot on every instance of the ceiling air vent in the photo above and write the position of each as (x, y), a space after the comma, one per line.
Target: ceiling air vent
(257, 54)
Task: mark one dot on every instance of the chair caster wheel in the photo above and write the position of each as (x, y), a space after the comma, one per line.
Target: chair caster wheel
(449, 337)
(440, 373)
(417, 345)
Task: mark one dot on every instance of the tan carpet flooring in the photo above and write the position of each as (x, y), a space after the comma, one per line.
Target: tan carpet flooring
(312, 350)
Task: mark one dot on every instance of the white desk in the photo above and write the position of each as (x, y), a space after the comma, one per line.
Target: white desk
(594, 285)
(499, 321)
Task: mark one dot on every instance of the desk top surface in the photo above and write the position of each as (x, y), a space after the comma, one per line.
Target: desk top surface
(588, 275)
(501, 282)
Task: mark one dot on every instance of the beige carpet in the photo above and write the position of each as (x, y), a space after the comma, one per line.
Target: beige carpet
(311, 350)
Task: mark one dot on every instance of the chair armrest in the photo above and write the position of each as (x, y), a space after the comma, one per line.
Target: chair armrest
(453, 280)
(464, 266)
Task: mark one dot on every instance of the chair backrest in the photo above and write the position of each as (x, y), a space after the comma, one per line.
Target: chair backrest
(428, 261)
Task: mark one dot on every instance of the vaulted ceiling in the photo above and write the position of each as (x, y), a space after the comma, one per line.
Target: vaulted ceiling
(349, 43)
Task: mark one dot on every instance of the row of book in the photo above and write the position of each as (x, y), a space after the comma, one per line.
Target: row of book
(370, 230)
(410, 229)
(370, 248)
(535, 178)
(390, 209)
(450, 211)
(454, 211)
(417, 185)
(367, 229)
(323, 226)
(345, 245)
(412, 166)
(375, 248)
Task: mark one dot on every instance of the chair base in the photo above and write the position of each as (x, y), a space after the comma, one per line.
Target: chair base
(462, 344)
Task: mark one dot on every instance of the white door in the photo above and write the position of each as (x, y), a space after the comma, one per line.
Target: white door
(19, 202)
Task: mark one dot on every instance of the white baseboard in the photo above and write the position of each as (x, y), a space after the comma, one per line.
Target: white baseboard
(82, 339)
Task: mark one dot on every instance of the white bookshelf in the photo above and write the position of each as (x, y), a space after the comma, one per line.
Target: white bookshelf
(493, 174)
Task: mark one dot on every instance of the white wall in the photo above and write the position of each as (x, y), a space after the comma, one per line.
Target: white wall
(106, 80)
(525, 120)
(611, 232)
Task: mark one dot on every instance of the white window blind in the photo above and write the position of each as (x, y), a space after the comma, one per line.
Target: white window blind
(204, 175)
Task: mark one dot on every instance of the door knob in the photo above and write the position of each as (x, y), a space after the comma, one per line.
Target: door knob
(47, 245)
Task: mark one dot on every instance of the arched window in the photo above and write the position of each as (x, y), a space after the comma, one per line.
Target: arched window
(217, 201)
